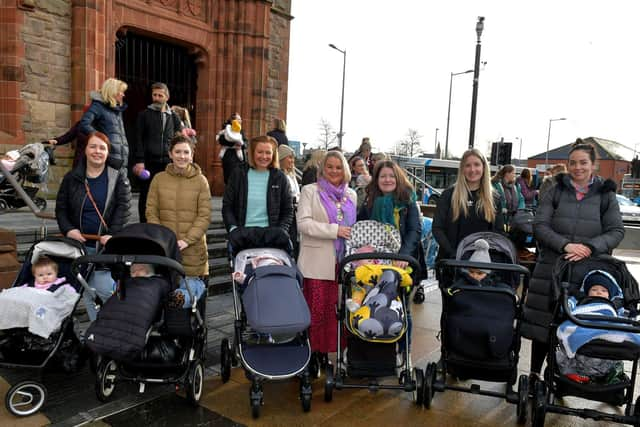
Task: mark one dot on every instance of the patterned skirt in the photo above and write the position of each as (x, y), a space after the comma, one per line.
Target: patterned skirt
(322, 298)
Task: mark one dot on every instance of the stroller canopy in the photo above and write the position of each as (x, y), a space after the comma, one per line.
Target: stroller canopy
(501, 249)
(144, 239)
(258, 237)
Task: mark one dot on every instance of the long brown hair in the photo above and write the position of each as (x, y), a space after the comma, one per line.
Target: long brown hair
(461, 190)
(403, 190)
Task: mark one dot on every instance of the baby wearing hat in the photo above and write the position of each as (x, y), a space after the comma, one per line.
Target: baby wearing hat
(600, 292)
(477, 276)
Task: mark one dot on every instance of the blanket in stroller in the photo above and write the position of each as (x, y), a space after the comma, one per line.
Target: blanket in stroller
(39, 310)
(572, 337)
(375, 310)
(120, 331)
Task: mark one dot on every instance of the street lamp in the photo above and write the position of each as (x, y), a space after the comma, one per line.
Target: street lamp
(435, 146)
(546, 154)
(476, 75)
(446, 141)
(344, 69)
(519, 151)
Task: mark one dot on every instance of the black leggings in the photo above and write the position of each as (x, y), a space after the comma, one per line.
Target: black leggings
(538, 354)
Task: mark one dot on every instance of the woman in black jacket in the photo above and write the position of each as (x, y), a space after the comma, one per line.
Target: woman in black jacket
(468, 207)
(94, 199)
(578, 217)
(258, 195)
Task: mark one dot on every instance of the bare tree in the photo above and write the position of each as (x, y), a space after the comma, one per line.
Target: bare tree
(327, 134)
(410, 145)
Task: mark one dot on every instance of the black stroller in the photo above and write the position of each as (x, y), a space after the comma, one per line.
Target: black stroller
(368, 355)
(480, 325)
(138, 336)
(25, 350)
(32, 166)
(272, 316)
(567, 278)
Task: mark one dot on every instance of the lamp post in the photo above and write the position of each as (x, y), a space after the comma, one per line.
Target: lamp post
(435, 144)
(546, 154)
(344, 69)
(446, 140)
(476, 75)
(519, 151)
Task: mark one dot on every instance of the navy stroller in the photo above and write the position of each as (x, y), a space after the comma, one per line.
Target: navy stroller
(480, 325)
(566, 280)
(24, 350)
(272, 317)
(139, 337)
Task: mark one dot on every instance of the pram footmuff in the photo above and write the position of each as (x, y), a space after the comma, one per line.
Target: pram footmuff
(596, 335)
(37, 326)
(138, 335)
(480, 322)
(374, 309)
(272, 317)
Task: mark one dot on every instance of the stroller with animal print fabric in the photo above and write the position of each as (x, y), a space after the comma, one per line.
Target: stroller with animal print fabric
(374, 309)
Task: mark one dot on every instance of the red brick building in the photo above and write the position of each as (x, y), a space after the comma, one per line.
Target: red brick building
(216, 56)
(614, 159)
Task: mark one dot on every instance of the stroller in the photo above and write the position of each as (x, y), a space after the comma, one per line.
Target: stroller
(430, 248)
(31, 166)
(480, 325)
(566, 281)
(138, 336)
(22, 349)
(272, 316)
(377, 331)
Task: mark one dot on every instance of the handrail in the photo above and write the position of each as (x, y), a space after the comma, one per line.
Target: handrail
(23, 194)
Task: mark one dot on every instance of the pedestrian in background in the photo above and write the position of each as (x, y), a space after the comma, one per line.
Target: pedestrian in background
(311, 167)
(511, 199)
(279, 132)
(156, 126)
(105, 115)
(525, 181)
(287, 159)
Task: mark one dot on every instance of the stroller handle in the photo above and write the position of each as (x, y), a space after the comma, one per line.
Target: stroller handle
(516, 268)
(381, 255)
(127, 259)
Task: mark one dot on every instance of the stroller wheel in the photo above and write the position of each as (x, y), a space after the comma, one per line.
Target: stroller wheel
(25, 398)
(106, 379)
(418, 393)
(195, 382)
(429, 379)
(40, 203)
(539, 405)
(225, 360)
(328, 383)
(418, 297)
(3, 205)
(523, 399)
(305, 393)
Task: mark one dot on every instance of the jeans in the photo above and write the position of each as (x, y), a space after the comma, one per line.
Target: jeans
(196, 286)
(103, 284)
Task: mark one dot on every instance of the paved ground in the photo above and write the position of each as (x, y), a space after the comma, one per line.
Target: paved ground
(72, 400)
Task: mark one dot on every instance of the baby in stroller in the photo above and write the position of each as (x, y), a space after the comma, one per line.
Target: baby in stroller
(602, 293)
(479, 276)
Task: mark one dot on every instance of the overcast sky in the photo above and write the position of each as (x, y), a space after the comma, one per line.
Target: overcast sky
(545, 59)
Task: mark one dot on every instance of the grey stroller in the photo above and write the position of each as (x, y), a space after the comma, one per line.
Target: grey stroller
(272, 316)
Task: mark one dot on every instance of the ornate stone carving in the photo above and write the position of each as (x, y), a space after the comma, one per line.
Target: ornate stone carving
(194, 7)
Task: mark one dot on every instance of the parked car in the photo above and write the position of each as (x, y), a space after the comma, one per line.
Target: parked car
(629, 210)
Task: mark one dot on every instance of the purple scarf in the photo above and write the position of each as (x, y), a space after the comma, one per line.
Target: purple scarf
(331, 196)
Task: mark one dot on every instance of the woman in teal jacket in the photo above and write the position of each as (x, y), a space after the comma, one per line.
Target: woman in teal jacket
(511, 198)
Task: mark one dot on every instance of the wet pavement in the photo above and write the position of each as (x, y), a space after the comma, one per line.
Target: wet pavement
(72, 399)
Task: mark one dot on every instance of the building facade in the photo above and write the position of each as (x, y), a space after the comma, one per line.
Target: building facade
(217, 56)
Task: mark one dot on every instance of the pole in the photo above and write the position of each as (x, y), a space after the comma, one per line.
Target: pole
(520, 151)
(546, 154)
(435, 146)
(446, 139)
(476, 75)
(344, 71)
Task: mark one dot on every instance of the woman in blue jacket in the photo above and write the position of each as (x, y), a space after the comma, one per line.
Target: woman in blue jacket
(105, 115)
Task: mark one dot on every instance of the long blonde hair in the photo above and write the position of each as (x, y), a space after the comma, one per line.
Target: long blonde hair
(110, 89)
(461, 190)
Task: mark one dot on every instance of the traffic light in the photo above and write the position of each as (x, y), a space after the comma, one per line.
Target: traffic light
(501, 153)
(504, 153)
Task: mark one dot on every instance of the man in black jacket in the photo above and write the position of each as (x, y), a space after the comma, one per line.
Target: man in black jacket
(155, 127)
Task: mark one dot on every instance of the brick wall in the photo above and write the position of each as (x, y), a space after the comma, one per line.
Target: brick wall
(276, 93)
